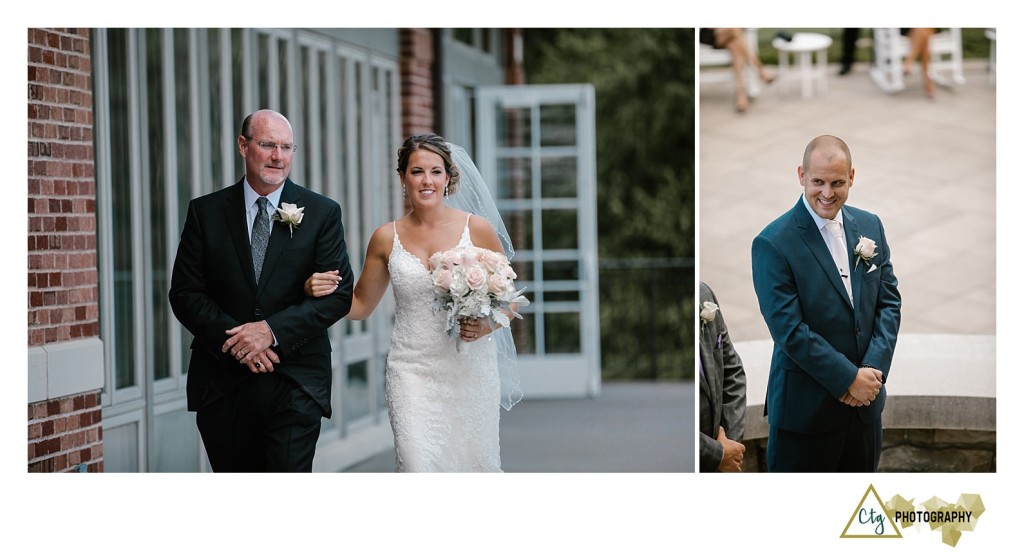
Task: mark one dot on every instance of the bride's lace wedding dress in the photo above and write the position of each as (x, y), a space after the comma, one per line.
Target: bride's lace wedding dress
(443, 404)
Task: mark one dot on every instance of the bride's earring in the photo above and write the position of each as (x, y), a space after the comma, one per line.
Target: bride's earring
(403, 191)
(446, 190)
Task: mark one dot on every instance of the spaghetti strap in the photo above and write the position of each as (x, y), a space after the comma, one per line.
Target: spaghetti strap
(467, 219)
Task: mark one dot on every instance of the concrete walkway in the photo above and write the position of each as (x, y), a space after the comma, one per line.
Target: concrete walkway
(629, 427)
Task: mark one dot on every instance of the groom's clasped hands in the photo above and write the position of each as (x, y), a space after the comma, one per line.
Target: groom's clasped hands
(865, 387)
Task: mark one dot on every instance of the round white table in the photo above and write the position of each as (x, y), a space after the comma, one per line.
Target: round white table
(803, 46)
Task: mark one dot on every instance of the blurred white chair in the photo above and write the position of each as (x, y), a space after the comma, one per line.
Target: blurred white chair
(946, 67)
(712, 57)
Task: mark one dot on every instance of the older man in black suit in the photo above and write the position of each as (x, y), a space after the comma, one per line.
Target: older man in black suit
(260, 372)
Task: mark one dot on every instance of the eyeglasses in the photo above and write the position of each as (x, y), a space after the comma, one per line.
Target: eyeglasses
(271, 146)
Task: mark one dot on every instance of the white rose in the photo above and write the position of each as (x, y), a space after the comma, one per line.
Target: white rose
(865, 249)
(708, 310)
(290, 214)
(458, 287)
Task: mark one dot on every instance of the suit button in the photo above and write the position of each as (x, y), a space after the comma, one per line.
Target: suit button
(259, 313)
(858, 331)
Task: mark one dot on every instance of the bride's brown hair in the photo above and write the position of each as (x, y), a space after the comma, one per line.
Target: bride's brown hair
(434, 144)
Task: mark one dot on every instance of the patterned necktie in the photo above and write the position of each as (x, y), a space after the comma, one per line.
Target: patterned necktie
(839, 255)
(260, 236)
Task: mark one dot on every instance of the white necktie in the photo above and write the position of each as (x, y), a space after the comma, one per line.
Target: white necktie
(839, 255)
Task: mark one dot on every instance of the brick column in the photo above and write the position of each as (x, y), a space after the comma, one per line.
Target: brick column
(65, 355)
(417, 76)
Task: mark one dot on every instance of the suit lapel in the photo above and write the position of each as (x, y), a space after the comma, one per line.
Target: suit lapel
(852, 235)
(279, 238)
(707, 360)
(707, 352)
(238, 229)
(811, 237)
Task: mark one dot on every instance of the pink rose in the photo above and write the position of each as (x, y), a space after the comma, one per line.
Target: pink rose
(507, 272)
(448, 259)
(493, 261)
(470, 257)
(443, 279)
(435, 261)
(476, 277)
(497, 283)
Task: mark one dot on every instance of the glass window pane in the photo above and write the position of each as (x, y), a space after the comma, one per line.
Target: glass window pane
(558, 177)
(562, 332)
(215, 115)
(183, 136)
(520, 228)
(156, 219)
(282, 76)
(121, 209)
(565, 296)
(514, 178)
(513, 126)
(523, 334)
(558, 125)
(356, 394)
(262, 72)
(561, 270)
(464, 36)
(559, 229)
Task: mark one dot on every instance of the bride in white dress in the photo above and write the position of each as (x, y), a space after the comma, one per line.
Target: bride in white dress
(443, 403)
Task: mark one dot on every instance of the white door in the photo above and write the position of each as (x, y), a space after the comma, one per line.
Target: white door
(536, 151)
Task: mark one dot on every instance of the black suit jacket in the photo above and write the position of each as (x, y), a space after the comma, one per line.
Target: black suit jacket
(213, 289)
(723, 387)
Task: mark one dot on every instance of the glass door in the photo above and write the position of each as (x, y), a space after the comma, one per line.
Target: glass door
(536, 150)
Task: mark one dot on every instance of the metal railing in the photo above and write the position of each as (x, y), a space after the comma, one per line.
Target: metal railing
(647, 319)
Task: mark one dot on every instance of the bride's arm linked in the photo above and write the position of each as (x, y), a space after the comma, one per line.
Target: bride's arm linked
(373, 280)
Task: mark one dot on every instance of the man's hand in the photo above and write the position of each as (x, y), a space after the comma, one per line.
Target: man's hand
(848, 400)
(732, 453)
(248, 340)
(263, 362)
(865, 387)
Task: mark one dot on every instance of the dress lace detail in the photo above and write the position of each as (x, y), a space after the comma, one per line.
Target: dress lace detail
(443, 404)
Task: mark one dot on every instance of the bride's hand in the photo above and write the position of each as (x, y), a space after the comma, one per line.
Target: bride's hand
(322, 283)
(473, 329)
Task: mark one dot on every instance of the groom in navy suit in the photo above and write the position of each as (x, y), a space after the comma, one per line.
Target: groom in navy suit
(828, 295)
(259, 377)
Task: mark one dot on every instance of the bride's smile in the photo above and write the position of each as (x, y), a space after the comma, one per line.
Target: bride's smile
(425, 177)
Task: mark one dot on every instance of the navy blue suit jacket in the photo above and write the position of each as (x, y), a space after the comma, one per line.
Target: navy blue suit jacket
(213, 288)
(820, 338)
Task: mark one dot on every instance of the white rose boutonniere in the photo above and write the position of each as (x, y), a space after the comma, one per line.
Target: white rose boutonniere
(290, 214)
(708, 310)
(865, 249)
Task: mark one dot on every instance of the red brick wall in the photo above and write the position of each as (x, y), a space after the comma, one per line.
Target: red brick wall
(65, 433)
(417, 77)
(63, 296)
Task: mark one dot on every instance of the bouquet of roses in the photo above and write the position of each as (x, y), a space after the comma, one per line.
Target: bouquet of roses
(472, 282)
